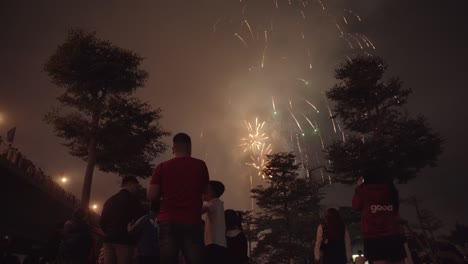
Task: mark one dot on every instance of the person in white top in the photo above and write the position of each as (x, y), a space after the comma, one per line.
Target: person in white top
(333, 244)
(215, 226)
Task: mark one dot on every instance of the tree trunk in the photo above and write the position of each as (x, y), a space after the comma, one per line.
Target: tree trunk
(91, 162)
(88, 179)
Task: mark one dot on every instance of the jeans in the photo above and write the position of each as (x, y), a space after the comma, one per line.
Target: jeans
(178, 237)
(118, 253)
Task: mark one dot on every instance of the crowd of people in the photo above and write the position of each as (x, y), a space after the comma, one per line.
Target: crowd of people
(181, 190)
(186, 222)
(35, 174)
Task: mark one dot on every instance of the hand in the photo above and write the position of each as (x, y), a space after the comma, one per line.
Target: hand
(360, 181)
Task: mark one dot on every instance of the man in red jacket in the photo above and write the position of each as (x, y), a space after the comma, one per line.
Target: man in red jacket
(378, 203)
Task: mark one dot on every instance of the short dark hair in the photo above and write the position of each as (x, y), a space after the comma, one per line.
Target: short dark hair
(217, 187)
(127, 179)
(233, 219)
(182, 138)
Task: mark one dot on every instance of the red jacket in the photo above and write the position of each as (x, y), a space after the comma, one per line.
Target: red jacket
(379, 213)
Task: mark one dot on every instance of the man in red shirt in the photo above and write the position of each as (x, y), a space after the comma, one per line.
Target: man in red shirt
(179, 184)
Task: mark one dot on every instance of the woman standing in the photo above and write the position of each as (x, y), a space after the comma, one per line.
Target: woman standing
(333, 245)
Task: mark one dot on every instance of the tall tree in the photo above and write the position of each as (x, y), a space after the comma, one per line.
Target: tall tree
(99, 120)
(289, 212)
(383, 140)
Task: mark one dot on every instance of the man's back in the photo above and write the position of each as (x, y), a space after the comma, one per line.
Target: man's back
(379, 216)
(182, 181)
(118, 211)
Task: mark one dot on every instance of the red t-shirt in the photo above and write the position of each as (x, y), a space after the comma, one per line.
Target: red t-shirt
(182, 182)
(379, 216)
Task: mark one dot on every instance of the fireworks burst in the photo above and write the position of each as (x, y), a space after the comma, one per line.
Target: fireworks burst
(256, 137)
(278, 42)
(256, 144)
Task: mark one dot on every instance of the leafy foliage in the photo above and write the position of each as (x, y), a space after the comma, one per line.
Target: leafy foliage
(384, 140)
(99, 119)
(289, 215)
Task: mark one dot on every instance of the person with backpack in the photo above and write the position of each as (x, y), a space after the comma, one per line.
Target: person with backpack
(333, 245)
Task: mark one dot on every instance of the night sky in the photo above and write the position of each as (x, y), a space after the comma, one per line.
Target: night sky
(198, 79)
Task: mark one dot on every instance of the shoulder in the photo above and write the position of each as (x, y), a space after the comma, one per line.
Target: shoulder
(197, 161)
(113, 198)
(162, 164)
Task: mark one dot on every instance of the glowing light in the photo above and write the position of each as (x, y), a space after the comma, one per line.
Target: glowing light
(256, 137)
(94, 207)
(64, 179)
(257, 146)
(241, 39)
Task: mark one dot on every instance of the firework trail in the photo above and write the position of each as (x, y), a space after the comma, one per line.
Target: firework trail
(241, 39)
(273, 104)
(313, 106)
(311, 124)
(297, 122)
(250, 29)
(330, 114)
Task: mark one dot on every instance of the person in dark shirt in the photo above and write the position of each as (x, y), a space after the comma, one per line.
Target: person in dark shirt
(237, 246)
(120, 210)
(76, 242)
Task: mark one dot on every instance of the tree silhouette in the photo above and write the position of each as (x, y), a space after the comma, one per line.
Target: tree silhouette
(289, 212)
(99, 120)
(383, 140)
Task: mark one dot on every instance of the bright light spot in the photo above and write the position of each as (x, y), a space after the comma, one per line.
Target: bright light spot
(95, 206)
(64, 179)
(274, 112)
(315, 130)
(303, 134)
